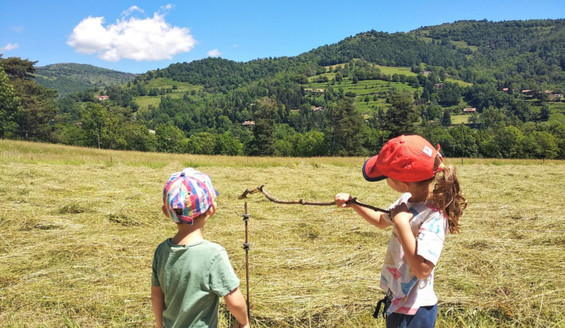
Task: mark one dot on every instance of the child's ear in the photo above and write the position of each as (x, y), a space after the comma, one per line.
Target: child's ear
(406, 185)
(164, 209)
(212, 209)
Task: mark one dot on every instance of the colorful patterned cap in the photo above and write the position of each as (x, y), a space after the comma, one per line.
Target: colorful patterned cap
(188, 190)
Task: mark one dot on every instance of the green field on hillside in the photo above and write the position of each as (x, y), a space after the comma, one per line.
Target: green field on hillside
(460, 119)
(179, 89)
(364, 89)
(557, 111)
(390, 70)
(367, 90)
(78, 228)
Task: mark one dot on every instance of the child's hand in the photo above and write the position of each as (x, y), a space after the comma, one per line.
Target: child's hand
(401, 214)
(341, 199)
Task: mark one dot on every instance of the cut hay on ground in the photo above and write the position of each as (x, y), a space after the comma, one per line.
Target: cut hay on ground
(78, 228)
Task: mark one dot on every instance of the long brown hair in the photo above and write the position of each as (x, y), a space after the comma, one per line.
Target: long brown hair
(447, 195)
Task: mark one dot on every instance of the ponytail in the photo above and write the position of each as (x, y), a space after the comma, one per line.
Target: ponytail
(448, 197)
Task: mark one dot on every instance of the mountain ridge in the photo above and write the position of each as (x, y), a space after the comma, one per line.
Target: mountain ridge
(68, 78)
(496, 49)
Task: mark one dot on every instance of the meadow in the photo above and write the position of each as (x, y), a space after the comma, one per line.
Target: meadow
(78, 228)
(178, 90)
(557, 111)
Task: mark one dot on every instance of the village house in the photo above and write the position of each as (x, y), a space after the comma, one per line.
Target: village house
(469, 110)
(248, 123)
(554, 96)
(314, 90)
(102, 97)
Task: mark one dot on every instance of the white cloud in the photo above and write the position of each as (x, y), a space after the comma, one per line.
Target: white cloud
(167, 7)
(9, 47)
(214, 53)
(131, 38)
(131, 10)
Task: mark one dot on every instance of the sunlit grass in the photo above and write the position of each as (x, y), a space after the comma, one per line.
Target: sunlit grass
(179, 89)
(460, 119)
(78, 228)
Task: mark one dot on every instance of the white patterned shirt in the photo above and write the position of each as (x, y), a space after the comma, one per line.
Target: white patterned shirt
(407, 292)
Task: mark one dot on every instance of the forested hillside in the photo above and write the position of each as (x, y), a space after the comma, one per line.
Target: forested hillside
(70, 78)
(478, 88)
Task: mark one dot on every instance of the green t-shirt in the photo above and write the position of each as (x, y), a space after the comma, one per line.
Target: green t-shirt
(193, 278)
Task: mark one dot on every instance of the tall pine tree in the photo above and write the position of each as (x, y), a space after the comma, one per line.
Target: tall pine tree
(263, 143)
(402, 116)
(346, 123)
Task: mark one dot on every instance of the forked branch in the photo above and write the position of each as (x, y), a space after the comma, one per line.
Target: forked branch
(304, 202)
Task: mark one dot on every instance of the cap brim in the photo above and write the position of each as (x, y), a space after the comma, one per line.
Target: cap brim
(370, 172)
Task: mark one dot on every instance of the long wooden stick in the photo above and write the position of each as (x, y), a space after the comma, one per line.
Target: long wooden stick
(246, 248)
(304, 202)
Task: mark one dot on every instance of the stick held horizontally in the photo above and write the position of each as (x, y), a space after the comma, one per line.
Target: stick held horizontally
(304, 202)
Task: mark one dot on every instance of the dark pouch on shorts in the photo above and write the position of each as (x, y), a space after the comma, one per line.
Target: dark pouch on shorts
(384, 303)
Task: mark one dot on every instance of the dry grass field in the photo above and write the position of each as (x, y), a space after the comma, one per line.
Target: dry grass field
(78, 228)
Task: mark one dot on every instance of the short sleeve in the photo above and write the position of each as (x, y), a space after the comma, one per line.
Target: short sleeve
(431, 237)
(154, 274)
(223, 279)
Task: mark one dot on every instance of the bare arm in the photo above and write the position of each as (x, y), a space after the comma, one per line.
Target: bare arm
(401, 217)
(373, 217)
(158, 304)
(236, 304)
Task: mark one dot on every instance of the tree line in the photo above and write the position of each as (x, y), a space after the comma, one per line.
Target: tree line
(264, 108)
(202, 126)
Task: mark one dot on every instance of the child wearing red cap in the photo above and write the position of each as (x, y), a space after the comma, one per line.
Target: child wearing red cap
(190, 274)
(430, 206)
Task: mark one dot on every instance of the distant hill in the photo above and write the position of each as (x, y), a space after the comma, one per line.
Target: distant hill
(478, 88)
(523, 54)
(67, 78)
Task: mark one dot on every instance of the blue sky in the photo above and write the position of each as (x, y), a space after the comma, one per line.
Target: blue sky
(137, 36)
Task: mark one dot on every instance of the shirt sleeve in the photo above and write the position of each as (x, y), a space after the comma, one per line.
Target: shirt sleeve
(223, 279)
(403, 199)
(154, 276)
(431, 237)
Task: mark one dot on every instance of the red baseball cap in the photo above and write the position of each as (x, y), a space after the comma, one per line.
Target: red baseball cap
(408, 158)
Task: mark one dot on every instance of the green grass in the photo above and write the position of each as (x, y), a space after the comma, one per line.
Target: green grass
(182, 88)
(464, 45)
(461, 83)
(78, 228)
(390, 70)
(557, 110)
(371, 87)
(366, 88)
(460, 119)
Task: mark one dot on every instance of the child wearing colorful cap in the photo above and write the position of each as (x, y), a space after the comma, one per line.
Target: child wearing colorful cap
(190, 274)
(430, 206)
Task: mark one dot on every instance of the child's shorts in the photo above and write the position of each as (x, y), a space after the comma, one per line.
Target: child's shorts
(424, 318)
